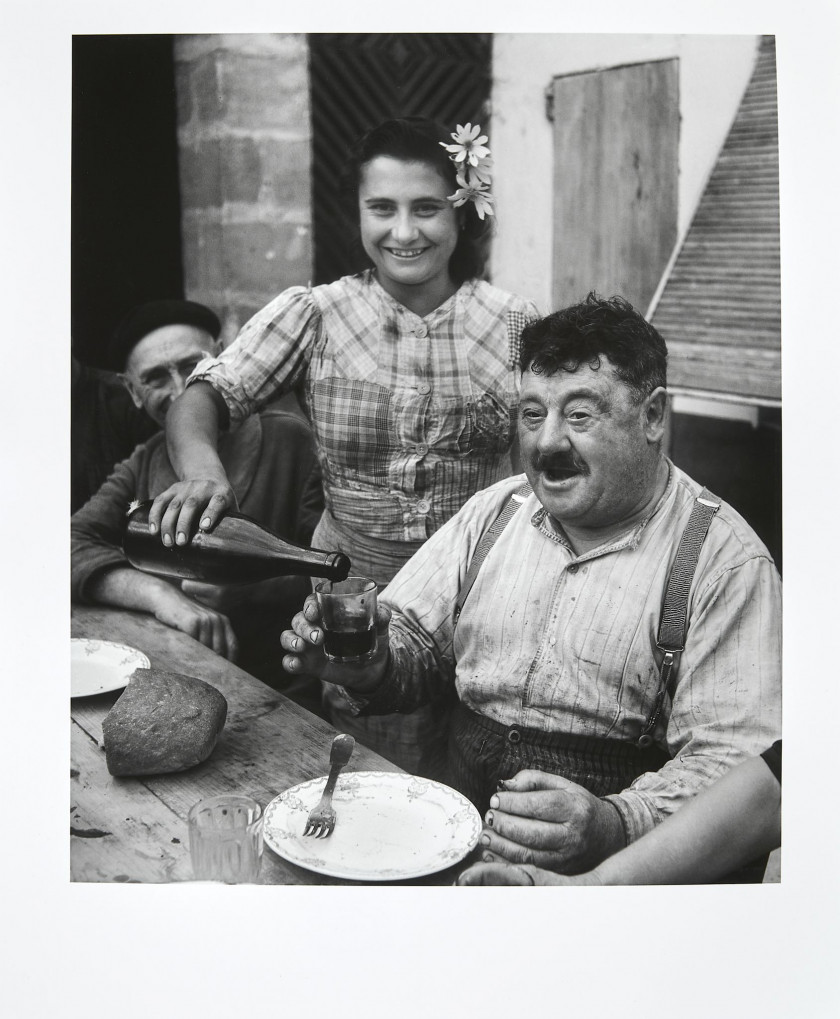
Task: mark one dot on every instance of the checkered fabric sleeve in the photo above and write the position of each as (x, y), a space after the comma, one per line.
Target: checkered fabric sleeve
(517, 319)
(268, 357)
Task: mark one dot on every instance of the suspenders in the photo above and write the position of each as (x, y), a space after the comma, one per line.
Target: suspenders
(672, 624)
(670, 639)
(488, 540)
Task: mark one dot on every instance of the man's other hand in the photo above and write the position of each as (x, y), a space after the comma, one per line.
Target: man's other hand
(545, 820)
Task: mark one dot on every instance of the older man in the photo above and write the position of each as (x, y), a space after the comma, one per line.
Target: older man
(554, 657)
(273, 468)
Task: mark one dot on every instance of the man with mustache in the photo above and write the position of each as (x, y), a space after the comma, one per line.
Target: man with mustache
(560, 729)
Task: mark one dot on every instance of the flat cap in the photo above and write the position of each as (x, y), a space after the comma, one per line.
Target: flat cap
(145, 318)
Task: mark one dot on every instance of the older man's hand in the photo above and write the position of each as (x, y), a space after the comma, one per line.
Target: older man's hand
(548, 821)
(204, 624)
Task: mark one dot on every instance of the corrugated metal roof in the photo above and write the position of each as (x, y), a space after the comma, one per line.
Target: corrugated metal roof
(720, 308)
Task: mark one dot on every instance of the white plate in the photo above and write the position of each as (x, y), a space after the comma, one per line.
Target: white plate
(98, 666)
(390, 826)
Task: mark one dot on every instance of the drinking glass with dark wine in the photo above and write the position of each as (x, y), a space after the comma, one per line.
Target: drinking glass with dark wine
(348, 614)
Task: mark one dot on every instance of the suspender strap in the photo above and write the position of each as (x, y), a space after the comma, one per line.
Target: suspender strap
(488, 540)
(672, 625)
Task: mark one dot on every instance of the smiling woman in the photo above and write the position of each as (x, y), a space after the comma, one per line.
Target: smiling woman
(409, 230)
(417, 155)
(408, 373)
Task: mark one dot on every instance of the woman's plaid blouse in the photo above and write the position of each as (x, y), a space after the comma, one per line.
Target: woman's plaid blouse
(411, 415)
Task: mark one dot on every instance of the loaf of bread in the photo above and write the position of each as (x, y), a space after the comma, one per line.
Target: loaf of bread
(162, 722)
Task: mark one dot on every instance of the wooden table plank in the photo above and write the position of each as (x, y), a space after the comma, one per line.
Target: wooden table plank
(135, 829)
(119, 829)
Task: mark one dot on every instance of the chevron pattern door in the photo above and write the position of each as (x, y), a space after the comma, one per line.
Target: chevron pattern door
(358, 80)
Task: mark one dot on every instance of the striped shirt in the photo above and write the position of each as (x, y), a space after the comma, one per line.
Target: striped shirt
(411, 415)
(565, 643)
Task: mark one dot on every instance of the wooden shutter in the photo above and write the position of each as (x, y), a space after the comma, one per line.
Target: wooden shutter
(358, 80)
(616, 137)
(719, 308)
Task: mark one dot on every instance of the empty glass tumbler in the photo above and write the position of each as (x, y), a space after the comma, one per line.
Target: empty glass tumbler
(226, 839)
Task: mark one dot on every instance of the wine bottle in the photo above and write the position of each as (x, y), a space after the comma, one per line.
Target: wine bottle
(238, 550)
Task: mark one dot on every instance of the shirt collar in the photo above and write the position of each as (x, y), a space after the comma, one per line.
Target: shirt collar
(440, 311)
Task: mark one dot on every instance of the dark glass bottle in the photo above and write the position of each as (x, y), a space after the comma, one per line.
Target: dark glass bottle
(238, 550)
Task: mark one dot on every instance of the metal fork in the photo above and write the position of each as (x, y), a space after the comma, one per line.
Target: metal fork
(321, 820)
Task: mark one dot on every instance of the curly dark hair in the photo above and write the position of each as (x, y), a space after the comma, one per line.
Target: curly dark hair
(596, 328)
(417, 140)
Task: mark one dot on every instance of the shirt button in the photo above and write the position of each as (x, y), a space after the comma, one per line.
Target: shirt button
(424, 506)
(421, 448)
(514, 736)
(421, 330)
(573, 568)
(424, 388)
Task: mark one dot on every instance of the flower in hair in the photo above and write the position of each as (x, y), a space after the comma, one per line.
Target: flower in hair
(481, 174)
(469, 145)
(471, 158)
(476, 192)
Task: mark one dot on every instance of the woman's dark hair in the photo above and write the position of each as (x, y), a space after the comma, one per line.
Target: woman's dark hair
(596, 328)
(417, 140)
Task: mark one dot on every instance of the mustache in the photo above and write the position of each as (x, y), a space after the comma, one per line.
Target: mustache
(559, 462)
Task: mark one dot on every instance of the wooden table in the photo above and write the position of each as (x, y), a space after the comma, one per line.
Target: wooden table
(135, 829)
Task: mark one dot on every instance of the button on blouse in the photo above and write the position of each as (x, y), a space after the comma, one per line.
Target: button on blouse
(401, 408)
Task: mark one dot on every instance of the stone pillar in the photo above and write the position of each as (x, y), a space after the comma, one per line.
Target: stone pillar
(244, 144)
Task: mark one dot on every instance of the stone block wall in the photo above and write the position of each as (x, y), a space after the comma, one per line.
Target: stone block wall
(244, 146)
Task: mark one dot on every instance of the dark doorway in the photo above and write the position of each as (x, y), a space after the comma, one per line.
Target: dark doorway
(126, 229)
(739, 462)
(358, 80)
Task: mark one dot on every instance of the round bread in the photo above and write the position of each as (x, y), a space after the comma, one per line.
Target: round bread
(162, 722)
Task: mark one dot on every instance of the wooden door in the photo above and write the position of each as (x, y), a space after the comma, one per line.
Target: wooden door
(616, 135)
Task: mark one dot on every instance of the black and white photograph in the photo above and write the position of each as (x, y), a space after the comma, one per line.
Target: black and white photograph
(420, 396)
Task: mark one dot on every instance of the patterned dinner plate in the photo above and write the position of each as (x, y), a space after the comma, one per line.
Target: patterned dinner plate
(390, 826)
(98, 666)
